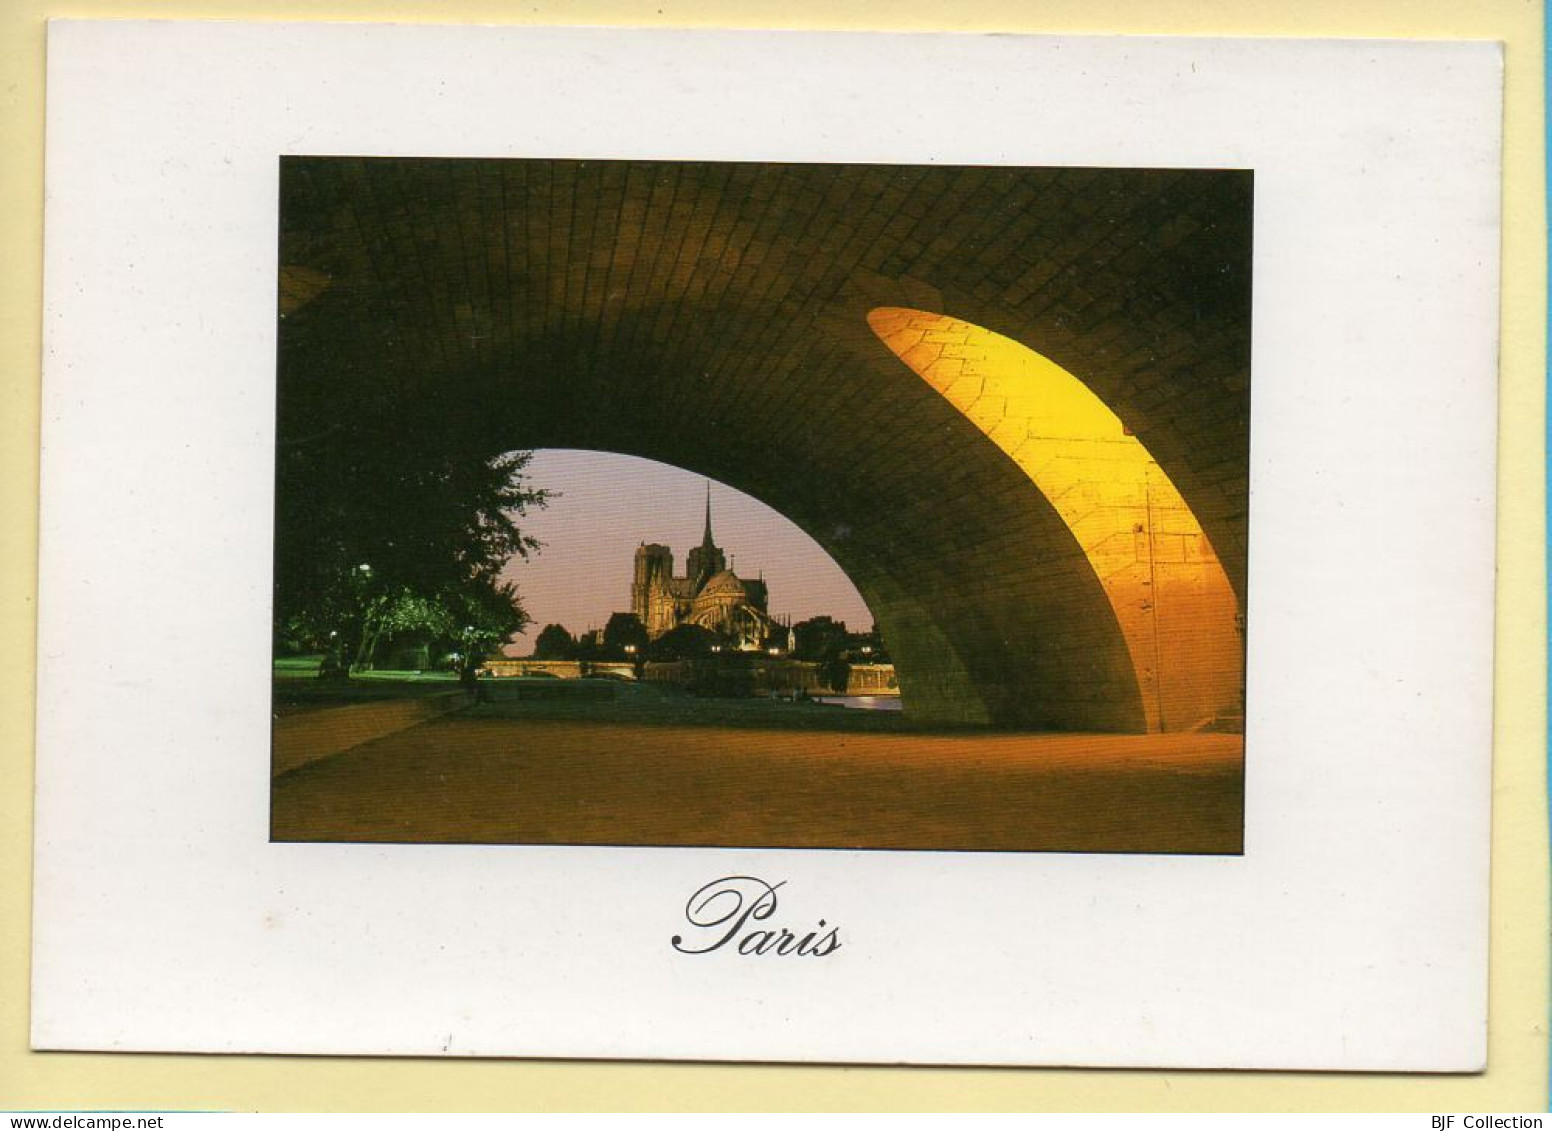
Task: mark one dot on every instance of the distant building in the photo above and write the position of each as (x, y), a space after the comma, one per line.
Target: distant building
(709, 595)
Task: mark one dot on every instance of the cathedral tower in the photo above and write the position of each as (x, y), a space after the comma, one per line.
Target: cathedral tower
(652, 597)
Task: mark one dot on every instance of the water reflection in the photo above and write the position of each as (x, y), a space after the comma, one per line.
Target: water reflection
(864, 702)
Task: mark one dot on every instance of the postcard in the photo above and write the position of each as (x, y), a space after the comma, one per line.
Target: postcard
(767, 546)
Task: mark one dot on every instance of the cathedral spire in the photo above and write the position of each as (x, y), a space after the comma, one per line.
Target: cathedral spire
(705, 560)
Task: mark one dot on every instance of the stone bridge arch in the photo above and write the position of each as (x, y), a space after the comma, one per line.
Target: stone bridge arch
(714, 317)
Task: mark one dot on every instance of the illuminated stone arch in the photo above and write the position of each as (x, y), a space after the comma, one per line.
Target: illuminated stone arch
(1157, 567)
(715, 317)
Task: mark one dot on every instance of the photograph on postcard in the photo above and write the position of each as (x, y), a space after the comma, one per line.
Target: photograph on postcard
(761, 505)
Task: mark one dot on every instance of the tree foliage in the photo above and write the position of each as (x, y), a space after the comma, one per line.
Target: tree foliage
(555, 643)
(823, 639)
(683, 642)
(836, 672)
(818, 638)
(624, 636)
(374, 540)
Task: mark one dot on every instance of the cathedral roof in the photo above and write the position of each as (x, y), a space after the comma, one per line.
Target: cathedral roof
(725, 583)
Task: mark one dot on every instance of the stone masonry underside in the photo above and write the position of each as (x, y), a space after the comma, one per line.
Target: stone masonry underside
(713, 316)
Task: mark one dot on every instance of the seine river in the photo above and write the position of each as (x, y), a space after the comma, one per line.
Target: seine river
(864, 702)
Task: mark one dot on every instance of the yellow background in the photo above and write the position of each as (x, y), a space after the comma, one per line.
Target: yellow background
(1517, 1075)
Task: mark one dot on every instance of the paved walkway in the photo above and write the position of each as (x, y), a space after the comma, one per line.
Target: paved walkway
(488, 776)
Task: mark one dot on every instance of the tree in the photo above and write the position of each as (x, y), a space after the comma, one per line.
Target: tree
(490, 614)
(867, 647)
(683, 642)
(837, 673)
(555, 643)
(371, 541)
(471, 620)
(624, 636)
(818, 638)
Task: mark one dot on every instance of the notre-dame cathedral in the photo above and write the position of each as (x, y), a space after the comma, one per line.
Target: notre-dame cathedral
(709, 595)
